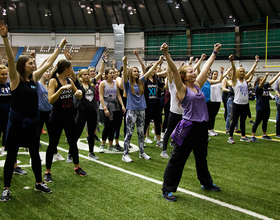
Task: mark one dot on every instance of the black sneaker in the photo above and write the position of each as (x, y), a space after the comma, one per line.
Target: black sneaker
(80, 172)
(169, 196)
(69, 158)
(237, 131)
(5, 196)
(19, 171)
(48, 177)
(42, 187)
(252, 122)
(96, 138)
(211, 187)
(118, 147)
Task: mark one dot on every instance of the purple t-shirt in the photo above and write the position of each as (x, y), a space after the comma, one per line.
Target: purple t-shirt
(194, 106)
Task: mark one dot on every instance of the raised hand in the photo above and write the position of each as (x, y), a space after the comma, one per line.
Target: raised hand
(217, 47)
(164, 49)
(135, 52)
(231, 57)
(124, 59)
(63, 42)
(67, 54)
(203, 56)
(3, 29)
(33, 54)
(222, 69)
(257, 57)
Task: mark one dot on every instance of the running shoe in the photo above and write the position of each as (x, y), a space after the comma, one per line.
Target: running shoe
(126, 158)
(148, 140)
(211, 187)
(58, 157)
(92, 156)
(169, 196)
(164, 154)
(245, 139)
(19, 171)
(79, 171)
(266, 137)
(101, 148)
(48, 177)
(69, 158)
(42, 187)
(5, 196)
(144, 156)
(254, 139)
(230, 140)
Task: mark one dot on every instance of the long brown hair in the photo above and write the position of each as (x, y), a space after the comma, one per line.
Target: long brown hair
(60, 67)
(139, 82)
(22, 60)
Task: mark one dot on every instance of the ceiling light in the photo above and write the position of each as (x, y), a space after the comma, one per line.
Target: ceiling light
(131, 12)
(182, 19)
(230, 16)
(4, 12)
(46, 14)
(177, 6)
(129, 8)
(89, 11)
(169, 1)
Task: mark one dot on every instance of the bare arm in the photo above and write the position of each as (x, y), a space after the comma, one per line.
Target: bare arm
(13, 74)
(135, 52)
(52, 95)
(120, 99)
(263, 81)
(38, 73)
(224, 85)
(234, 75)
(198, 63)
(147, 74)
(252, 70)
(274, 79)
(125, 77)
(203, 75)
(181, 88)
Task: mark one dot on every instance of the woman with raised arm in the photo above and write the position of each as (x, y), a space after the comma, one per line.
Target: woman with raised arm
(23, 116)
(136, 104)
(262, 105)
(61, 91)
(86, 108)
(109, 106)
(191, 133)
(241, 99)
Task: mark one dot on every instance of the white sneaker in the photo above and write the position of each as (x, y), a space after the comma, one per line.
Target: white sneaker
(144, 156)
(2, 151)
(127, 158)
(159, 143)
(155, 138)
(101, 148)
(164, 154)
(162, 135)
(58, 157)
(148, 140)
(152, 132)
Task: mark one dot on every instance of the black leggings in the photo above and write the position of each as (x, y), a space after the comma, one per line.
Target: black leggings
(16, 136)
(109, 126)
(214, 109)
(56, 126)
(118, 120)
(238, 111)
(262, 115)
(173, 120)
(166, 116)
(196, 141)
(156, 115)
(91, 118)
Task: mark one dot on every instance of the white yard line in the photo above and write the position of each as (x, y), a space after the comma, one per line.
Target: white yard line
(233, 207)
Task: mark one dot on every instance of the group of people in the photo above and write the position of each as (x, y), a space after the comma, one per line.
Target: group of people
(63, 100)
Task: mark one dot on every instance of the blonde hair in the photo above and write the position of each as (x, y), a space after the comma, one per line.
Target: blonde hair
(238, 70)
(139, 82)
(80, 73)
(3, 67)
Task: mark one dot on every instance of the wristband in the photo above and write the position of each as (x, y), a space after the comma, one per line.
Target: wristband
(222, 72)
(104, 108)
(157, 62)
(58, 47)
(215, 52)
(4, 36)
(257, 60)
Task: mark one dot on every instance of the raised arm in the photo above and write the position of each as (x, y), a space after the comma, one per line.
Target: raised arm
(203, 75)
(147, 74)
(125, 76)
(234, 75)
(252, 70)
(39, 72)
(135, 52)
(13, 74)
(198, 63)
(181, 88)
(263, 81)
(274, 79)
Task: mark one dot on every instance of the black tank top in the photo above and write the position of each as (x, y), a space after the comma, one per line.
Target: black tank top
(25, 100)
(64, 106)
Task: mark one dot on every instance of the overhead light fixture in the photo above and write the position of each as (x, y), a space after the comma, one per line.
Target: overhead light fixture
(82, 5)
(131, 12)
(230, 16)
(182, 19)
(169, 1)
(89, 11)
(46, 14)
(4, 12)
(129, 8)
(177, 5)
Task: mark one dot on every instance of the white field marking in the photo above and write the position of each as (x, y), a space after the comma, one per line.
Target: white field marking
(233, 207)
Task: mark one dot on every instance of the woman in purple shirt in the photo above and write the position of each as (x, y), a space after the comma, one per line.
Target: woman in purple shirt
(191, 134)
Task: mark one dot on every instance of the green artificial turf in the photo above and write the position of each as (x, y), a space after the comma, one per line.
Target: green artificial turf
(248, 174)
